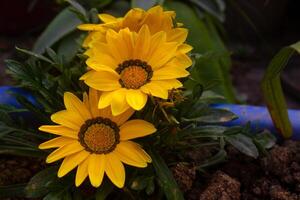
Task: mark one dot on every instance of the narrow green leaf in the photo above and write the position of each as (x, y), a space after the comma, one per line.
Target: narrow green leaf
(211, 116)
(64, 23)
(38, 186)
(36, 55)
(145, 4)
(165, 177)
(272, 90)
(244, 144)
(212, 7)
(11, 191)
(216, 159)
(78, 7)
(21, 151)
(103, 191)
(58, 195)
(69, 46)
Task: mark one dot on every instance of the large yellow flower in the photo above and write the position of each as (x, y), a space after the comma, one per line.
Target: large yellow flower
(95, 141)
(156, 18)
(129, 66)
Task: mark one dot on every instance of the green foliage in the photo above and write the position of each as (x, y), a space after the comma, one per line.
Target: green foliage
(145, 4)
(214, 7)
(205, 39)
(165, 177)
(12, 191)
(272, 89)
(62, 25)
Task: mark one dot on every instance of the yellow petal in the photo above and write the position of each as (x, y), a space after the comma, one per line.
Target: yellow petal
(116, 46)
(64, 151)
(56, 142)
(157, 40)
(70, 162)
(142, 43)
(178, 35)
(67, 118)
(90, 27)
(169, 84)
(169, 73)
(127, 38)
(115, 169)
(136, 99)
(136, 128)
(98, 66)
(129, 155)
(96, 167)
(137, 150)
(184, 48)
(73, 104)
(118, 103)
(82, 172)
(59, 130)
(93, 102)
(86, 102)
(101, 55)
(120, 119)
(106, 18)
(181, 60)
(163, 54)
(103, 81)
(155, 89)
(105, 99)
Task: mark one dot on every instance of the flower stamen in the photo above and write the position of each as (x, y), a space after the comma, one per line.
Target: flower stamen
(99, 135)
(134, 73)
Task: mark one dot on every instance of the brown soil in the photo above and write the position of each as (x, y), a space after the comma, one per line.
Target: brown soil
(275, 176)
(18, 169)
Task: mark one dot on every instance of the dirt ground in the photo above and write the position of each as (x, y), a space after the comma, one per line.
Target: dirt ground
(275, 176)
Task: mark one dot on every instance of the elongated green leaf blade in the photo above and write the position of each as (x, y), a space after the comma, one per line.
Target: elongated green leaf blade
(145, 4)
(165, 177)
(64, 23)
(272, 90)
(12, 191)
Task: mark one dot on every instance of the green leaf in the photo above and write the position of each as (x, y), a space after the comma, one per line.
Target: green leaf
(165, 177)
(272, 90)
(103, 191)
(244, 144)
(21, 151)
(69, 46)
(215, 159)
(58, 195)
(265, 139)
(11, 191)
(144, 4)
(36, 55)
(139, 183)
(63, 24)
(211, 116)
(212, 7)
(150, 187)
(38, 185)
(204, 131)
(78, 7)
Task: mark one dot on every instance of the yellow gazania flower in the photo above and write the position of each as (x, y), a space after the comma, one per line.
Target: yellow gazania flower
(129, 66)
(95, 141)
(156, 19)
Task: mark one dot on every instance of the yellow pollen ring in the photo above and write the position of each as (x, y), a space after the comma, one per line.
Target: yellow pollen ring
(99, 137)
(134, 73)
(134, 77)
